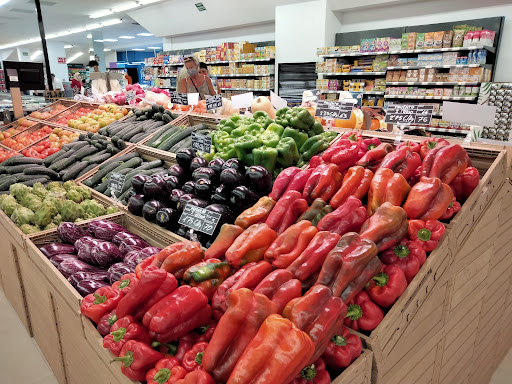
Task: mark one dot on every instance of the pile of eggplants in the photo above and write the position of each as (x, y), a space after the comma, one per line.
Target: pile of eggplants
(97, 256)
(225, 187)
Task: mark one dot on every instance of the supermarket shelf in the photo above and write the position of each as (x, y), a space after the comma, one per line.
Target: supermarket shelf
(238, 61)
(431, 83)
(164, 65)
(454, 49)
(440, 66)
(166, 77)
(245, 75)
(364, 92)
(468, 98)
(352, 73)
(245, 89)
(444, 130)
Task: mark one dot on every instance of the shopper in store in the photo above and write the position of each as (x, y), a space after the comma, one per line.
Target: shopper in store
(203, 69)
(94, 65)
(196, 82)
(76, 83)
(128, 78)
(57, 84)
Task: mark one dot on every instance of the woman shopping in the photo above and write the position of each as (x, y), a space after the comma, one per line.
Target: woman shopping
(196, 82)
(76, 84)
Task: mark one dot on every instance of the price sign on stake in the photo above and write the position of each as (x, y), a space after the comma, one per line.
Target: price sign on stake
(115, 183)
(277, 102)
(199, 219)
(130, 96)
(242, 101)
(407, 114)
(202, 143)
(179, 98)
(213, 102)
(333, 110)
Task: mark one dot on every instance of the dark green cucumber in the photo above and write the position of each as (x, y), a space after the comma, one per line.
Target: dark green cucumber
(87, 158)
(164, 136)
(42, 171)
(22, 177)
(49, 159)
(99, 158)
(95, 179)
(85, 151)
(30, 183)
(63, 163)
(19, 160)
(126, 157)
(169, 143)
(87, 169)
(73, 171)
(131, 133)
(132, 163)
(5, 183)
(12, 169)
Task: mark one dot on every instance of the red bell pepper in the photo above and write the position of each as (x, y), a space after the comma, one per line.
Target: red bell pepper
(299, 181)
(373, 158)
(464, 184)
(355, 183)
(289, 245)
(196, 377)
(363, 314)
(372, 269)
(101, 302)
(445, 162)
(319, 314)
(408, 255)
(315, 161)
(286, 211)
(310, 261)
(152, 281)
(323, 183)
(249, 276)
(349, 217)
(251, 245)
(403, 161)
(452, 209)
(415, 147)
(126, 328)
(282, 182)
(185, 344)
(428, 144)
(415, 178)
(313, 374)
(428, 199)
(280, 287)
(166, 371)
(368, 145)
(126, 283)
(177, 314)
(385, 288)
(178, 261)
(137, 358)
(106, 322)
(205, 332)
(193, 359)
(246, 313)
(343, 153)
(226, 237)
(343, 349)
(207, 276)
(387, 186)
(426, 233)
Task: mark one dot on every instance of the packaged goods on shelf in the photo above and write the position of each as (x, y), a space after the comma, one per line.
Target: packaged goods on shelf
(500, 96)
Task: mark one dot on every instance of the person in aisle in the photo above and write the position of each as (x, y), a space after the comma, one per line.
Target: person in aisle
(94, 65)
(57, 84)
(182, 74)
(76, 83)
(203, 69)
(128, 78)
(196, 82)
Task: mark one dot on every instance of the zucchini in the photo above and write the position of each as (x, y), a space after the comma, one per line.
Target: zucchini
(99, 158)
(138, 137)
(10, 160)
(22, 177)
(102, 187)
(132, 163)
(74, 170)
(163, 136)
(86, 151)
(12, 169)
(99, 146)
(31, 182)
(41, 171)
(131, 133)
(19, 160)
(115, 150)
(6, 183)
(74, 144)
(49, 159)
(126, 157)
(87, 169)
(121, 144)
(101, 174)
(87, 158)
(64, 155)
(169, 143)
(63, 163)
(150, 165)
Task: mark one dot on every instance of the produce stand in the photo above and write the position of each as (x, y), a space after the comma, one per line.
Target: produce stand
(451, 325)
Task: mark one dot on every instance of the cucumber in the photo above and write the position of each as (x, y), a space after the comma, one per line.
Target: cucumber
(41, 171)
(74, 144)
(131, 133)
(64, 155)
(85, 151)
(99, 146)
(101, 174)
(102, 187)
(164, 136)
(99, 158)
(74, 170)
(128, 180)
(30, 177)
(169, 143)
(87, 169)
(19, 160)
(126, 157)
(12, 169)
(63, 163)
(150, 165)
(138, 137)
(87, 158)
(132, 163)
(30, 183)
(5, 183)
(49, 159)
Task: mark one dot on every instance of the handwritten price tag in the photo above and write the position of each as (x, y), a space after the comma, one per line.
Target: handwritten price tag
(409, 114)
(202, 143)
(115, 183)
(199, 219)
(179, 98)
(213, 102)
(333, 110)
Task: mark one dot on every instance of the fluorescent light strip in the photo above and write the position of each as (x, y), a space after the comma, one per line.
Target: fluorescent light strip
(121, 8)
(112, 40)
(91, 50)
(74, 57)
(3, 2)
(138, 49)
(154, 47)
(106, 50)
(63, 33)
(68, 46)
(89, 36)
(99, 41)
(144, 34)
(126, 37)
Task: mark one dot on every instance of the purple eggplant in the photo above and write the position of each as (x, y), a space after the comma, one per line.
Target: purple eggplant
(243, 198)
(197, 162)
(203, 188)
(87, 286)
(172, 182)
(216, 165)
(53, 249)
(138, 182)
(184, 199)
(135, 204)
(205, 173)
(156, 187)
(166, 217)
(132, 243)
(75, 278)
(104, 229)
(135, 257)
(175, 197)
(221, 195)
(177, 171)
(117, 270)
(70, 232)
(226, 213)
(198, 202)
(189, 187)
(184, 157)
(106, 253)
(119, 237)
(150, 209)
(235, 164)
(68, 267)
(57, 259)
(231, 178)
(258, 179)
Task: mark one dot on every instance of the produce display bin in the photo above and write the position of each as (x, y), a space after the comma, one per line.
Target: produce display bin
(359, 372)
(71, 109)
(65, 102)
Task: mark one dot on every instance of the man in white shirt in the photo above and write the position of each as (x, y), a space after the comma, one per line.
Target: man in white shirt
(57, 84)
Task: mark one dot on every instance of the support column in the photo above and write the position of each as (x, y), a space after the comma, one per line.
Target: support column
(98, 48)
(56, 51)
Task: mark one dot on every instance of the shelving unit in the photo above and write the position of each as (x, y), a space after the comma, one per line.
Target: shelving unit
(458, 98)
(445, 83)
(244, 75)
(352, 73)
(431, 50)
(364, 92)
(439, 66)
(246, 89)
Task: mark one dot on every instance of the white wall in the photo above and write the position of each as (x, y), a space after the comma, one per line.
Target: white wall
(55, 50)
(110, 57)
(428, 12)
(252, 33)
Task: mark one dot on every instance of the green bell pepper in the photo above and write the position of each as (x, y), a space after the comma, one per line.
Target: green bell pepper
(239, 132)
(255, 129)
(244, 146)
(235, 118)
(301, 119)
(275, 128)
(281, 117)
(288, 154)
(270, 139)
(266, 157)
(299, 137)
(262, 118)
(219, 136)
(208, 156)
(227, 153)
(314, 145)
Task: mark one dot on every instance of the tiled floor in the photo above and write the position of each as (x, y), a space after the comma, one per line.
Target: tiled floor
(21, 360)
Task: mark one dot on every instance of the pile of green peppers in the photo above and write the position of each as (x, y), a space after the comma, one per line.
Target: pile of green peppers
(292, 139)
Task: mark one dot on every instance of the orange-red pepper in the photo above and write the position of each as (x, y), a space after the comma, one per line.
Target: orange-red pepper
(355, 183)
(403, 161)
(207, 275)
(429, 199)
(286, 212)
(373, 158)
(445, 162)
(280, 287)
(386, 227)
(323, 183)
(258, 213)
(227, 235)
(177, 262)
(387, 186)
(250, 245)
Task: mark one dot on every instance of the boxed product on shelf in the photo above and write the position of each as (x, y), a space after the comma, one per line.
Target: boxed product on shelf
(487, 37)
(405, 41)
(449, 58)
(411, 41)
(321, 51)
(447, 39)
(395, 44)
(380, 85)
(333, 50)
(438, 39)
(429, 40)
(420, 40)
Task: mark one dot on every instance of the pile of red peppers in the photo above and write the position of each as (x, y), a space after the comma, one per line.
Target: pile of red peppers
(331, 247)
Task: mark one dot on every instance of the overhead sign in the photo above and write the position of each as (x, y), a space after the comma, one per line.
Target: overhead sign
(334, 110)
(409, 114)
(61, 60)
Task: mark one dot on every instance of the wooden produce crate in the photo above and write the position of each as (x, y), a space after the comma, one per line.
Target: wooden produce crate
(29, 130)
(72, 109)
(67, 103)
(359, 372)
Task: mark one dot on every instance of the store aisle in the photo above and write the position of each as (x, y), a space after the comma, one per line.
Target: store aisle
(21, 360)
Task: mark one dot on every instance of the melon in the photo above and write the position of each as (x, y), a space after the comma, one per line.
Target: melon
(262, 103)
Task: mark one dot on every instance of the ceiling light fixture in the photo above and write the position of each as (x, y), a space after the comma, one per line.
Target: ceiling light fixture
(92, 57)
(74, 57)
(154, 47)
(106, 50)
(89, 35)
(144, 34)
(3, 2)
(68, 46)
(35, 54)
(121, 8)
(63, 33)
(99, 41)
(138, 49)
(91, 50)
(112, 40)
(126, 37)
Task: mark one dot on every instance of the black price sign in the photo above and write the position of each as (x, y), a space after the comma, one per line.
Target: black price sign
(179, 98)
(202, 143)
(115, 183)
(334, 110)
(409, 114)
(213, 102)
(199, 219)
